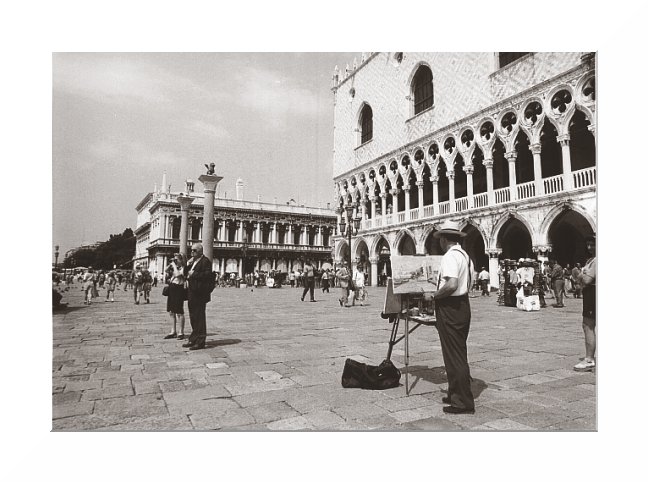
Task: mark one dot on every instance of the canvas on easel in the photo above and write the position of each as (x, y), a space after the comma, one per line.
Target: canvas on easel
(415, 274)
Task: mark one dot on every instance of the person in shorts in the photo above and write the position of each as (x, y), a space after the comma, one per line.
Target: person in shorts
(588, 282)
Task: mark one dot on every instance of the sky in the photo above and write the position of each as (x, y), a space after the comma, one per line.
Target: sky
(119, 120)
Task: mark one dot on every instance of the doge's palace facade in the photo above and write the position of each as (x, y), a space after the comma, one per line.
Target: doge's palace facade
(503, 142)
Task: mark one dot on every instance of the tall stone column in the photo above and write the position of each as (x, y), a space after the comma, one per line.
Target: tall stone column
(537, 169)
(488, 164)
(568, 181)
(407, 202)
(364, 208)
(419, 185)
(493, 267)
(374, 271)
(222, 266)
(185, 202)
(372, 199)
(259, 234)
(435, 194)
(469, 185)
(451, 190)
(272, 239)
(511, 157)
(209, 183)
(291, 237)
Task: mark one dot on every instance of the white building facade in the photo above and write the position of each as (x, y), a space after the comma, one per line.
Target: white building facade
(248, 235)
(502, 142)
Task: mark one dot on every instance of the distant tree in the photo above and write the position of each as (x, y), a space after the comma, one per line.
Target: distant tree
(118, 250)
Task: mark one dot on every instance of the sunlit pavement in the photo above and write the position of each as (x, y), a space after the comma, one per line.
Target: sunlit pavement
(275, 363)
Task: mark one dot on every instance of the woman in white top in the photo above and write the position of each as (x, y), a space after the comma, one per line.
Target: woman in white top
(176, 296)
(359, 282)
(88, 286)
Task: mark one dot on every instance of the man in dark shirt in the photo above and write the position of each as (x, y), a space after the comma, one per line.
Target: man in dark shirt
(557, 282)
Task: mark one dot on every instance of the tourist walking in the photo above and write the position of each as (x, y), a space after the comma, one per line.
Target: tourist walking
(198, 273)
(576, 280)
(342, 275)
(588, 281)
(325, 281)
(147, 280)
(359, 286)
(138, 280)
(308, 278)
(111, 284)
(484, 281)
(452, 307)
(176, 295)
(88, 285)
(557, 282)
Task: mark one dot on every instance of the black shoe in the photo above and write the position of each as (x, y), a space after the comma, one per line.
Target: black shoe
(457, 410)
(188, 345)
(313, 301)
(446, 400)
(301, 299)
(181, 337)
(172, 335)
(197, 347)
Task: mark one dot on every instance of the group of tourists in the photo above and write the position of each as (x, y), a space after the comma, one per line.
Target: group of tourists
(351, 282)
(140, 280)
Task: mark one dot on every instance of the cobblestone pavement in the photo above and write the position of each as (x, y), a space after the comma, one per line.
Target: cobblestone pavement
(275, 363)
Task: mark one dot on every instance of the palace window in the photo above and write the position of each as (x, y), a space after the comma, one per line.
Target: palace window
(423, 89)
(506, 58)
(366, 124)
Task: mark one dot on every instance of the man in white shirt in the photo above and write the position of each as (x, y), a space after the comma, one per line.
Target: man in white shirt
(358, 282)
(452, 308)
(484, 281)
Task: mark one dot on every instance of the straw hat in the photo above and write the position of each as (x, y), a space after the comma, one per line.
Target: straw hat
(450, 227)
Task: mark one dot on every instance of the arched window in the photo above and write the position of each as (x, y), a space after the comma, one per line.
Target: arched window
(366, 124)
(422, 89)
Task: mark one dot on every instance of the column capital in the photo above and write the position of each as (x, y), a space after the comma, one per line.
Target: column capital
(511, 156)
(210, 182)
(536, 148)
(564, 139)
(469, 169)
(420, 184)
(434, 179)
(407, 188)
(395, 192)
(383, 195)
(494, 252)
(373, 198)
(450, 175)
(488, 163)
(185, 202)
(373, 259)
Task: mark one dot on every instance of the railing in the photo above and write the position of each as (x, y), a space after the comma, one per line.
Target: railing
(584, 177)
(249, 246)
(480, 200)
(502, 195)
(526, 190)
(553, 184)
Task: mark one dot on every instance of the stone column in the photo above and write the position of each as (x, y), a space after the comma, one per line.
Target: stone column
(240, 267)
(511, 157)
(407, 202)
(372, 199)
(488, 164)
(394, 194)
(419, 185)
(374, 271)
(469, 185)
(383, 207)
(542, 252)
(568, 181)
(239, 231)
(226, 228)
(451, 190)
(537, 169)
(222, 266)
(185, 202)
(291, 239)
(493, 267)
(364, 208)
(272, 237)
(209, 183)
(435, 194)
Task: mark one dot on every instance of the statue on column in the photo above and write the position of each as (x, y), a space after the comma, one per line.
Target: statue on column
(211, 169)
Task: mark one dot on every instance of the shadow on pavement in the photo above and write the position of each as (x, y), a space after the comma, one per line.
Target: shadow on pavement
(63, 310)
(215, 343)
(437, 375)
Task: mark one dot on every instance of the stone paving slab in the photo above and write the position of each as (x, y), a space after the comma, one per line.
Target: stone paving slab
(274, 363)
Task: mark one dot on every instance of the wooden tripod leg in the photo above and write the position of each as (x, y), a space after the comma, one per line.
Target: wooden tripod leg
(394, 334)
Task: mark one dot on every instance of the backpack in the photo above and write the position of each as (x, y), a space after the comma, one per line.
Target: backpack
(361, 375)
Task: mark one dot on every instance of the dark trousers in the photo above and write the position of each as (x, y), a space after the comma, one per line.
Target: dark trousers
(309, 285)
(484, 286)
(325, 285)
(198, 321)
(559, 288)
(453, 324)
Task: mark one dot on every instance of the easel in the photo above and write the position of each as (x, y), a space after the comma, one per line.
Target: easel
(397, 307)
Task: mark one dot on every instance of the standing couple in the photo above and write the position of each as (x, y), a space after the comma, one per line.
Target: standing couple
(198, 275)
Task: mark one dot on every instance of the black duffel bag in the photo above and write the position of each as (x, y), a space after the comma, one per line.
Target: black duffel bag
(361, 375)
